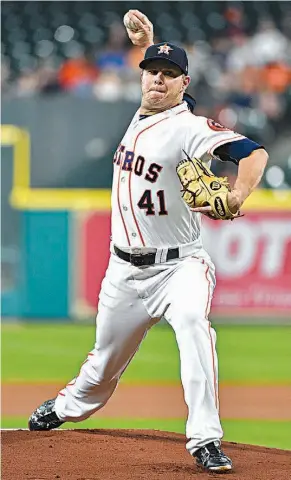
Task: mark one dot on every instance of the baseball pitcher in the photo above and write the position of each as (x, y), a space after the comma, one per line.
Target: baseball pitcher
(162, 185)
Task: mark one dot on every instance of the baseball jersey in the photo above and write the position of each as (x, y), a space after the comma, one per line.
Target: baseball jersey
(147, 207)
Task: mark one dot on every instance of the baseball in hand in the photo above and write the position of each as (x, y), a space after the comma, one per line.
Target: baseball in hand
(139, 28)
(129, 23)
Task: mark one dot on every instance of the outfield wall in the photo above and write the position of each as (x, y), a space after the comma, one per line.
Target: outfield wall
(64, 254)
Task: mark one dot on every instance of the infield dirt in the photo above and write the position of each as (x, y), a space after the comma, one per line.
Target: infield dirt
(126, 455)
(160, 401)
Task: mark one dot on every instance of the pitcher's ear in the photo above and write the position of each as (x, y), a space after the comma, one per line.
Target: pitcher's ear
(186, 80)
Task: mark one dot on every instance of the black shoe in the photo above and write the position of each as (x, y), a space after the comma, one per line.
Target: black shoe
(44, 417)
(212, 458)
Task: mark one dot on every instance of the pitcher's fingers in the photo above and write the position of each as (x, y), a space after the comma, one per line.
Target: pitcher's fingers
(201, 209)
(137, 22)
(143, 18)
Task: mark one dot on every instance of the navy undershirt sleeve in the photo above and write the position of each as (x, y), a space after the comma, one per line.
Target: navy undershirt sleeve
(235, 151)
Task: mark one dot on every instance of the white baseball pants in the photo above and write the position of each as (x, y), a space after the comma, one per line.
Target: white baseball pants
(131, 300)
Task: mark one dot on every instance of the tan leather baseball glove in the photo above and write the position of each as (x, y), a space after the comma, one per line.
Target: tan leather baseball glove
(202, 188)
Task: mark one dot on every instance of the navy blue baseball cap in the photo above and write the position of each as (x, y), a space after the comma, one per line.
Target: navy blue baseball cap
(166, 51)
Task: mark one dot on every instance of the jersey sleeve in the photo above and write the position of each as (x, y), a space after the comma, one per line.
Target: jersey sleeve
(235, 151)
(205, 136)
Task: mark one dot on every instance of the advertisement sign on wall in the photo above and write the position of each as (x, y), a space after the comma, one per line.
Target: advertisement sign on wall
(253, 263)
(252, 256)
(91, 238)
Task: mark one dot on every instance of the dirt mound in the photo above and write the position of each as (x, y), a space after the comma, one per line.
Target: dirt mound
(125, 454)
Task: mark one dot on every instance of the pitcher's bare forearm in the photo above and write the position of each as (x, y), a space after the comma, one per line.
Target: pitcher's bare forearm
(250, 172)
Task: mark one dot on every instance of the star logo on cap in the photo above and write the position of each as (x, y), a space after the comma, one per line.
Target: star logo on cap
(164, 49)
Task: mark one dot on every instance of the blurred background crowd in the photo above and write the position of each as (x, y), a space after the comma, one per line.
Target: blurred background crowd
(239, 55)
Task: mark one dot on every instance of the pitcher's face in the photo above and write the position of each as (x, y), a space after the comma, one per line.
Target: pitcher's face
(163, 85)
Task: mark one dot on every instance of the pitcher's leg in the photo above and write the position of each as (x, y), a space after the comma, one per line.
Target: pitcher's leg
(119, 333)
(191, 290)
(122, 322)
(199, 379)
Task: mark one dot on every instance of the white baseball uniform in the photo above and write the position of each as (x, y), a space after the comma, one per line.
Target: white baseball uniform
(149, 216)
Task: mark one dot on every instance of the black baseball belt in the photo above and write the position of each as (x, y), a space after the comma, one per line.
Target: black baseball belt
(140, 259)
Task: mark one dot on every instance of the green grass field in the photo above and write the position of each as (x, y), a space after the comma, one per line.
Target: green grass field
(53, 353)
(248, 355)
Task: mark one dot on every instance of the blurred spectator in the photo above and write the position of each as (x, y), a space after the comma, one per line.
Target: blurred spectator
(268, 44)
(133, 58)
(270, 104)
(27, 84)
(42, 80)
(234, 16)
(200, 59)
(109, 86)
(113, 55)
(78, 74)
(276, 76)
(48, 79)
(240, 54)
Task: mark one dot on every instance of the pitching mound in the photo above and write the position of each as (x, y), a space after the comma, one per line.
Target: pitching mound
(125, 454)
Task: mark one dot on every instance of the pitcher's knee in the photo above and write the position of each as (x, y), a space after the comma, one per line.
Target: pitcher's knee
(98, 368)
(190, 319)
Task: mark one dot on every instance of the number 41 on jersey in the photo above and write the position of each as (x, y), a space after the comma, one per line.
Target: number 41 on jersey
(146, 203)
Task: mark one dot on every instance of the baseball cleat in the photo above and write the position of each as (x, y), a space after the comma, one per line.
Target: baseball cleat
(211, 458)
(44, 417)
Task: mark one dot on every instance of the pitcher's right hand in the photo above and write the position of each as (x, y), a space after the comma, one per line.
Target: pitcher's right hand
(139, 29)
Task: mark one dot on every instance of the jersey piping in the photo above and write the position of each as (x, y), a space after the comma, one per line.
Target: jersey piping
(119, 206)
(210, 336)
